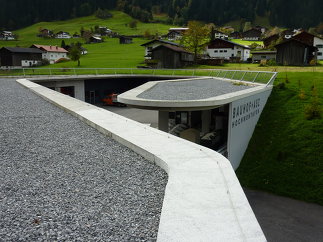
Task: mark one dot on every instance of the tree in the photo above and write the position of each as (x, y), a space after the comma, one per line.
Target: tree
(75, 53)
(133, 24)
(195, 36)
(247, 26)
(63, 45)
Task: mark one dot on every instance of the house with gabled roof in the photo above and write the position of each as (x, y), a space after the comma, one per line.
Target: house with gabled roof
(252, 34)
(170, 56)
(225, 49)
(312, 40)
(52, 53)
(153, 44)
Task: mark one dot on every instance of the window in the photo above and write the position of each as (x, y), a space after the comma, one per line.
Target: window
(216, 51)
(221, 51)
(319, 46)
(263, 57)
(319, 53)
(225, 51)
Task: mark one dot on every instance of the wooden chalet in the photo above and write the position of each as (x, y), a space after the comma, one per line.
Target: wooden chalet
(170, 56)
(252, 34)
(20, 57)
(125, 40)
(294, 52)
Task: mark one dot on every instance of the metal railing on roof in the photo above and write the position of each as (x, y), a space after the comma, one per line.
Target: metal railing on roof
(264, 77)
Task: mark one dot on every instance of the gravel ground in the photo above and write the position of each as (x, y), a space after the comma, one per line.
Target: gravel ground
(191, 90)
(61, 180)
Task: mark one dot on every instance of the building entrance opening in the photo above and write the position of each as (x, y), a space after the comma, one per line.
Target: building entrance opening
(206, 127)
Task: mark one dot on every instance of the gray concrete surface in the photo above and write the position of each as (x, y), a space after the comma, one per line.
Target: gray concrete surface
(191, 90)
(140, 115)
(287, 220)
(61, 180)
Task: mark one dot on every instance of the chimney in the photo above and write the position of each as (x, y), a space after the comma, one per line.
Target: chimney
(50, 47)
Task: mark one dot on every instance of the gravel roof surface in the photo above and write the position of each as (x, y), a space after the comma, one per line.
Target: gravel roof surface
(190, 90)
(61, 180)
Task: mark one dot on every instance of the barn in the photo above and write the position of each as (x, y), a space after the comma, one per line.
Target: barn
(16, 57)
(169, 56)
(294, 52)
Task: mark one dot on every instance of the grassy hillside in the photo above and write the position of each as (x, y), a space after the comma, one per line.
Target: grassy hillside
(118, 23)
(261, 21)
(285, 153)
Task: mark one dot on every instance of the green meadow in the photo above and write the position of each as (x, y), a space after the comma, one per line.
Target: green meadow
(284, 155)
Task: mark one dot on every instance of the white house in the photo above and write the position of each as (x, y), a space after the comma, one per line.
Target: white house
(220, 35)
(63, 35)
(52, 53)
(149, 46)
(7, 35)
(225, 49)
(318, 43)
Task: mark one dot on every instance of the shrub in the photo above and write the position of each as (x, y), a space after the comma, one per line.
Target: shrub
(45, 62)
(313, 62)
(271, 62)
(61, 60)
(281, 85)
(313, 110)
(301, 94)
(263, 63)
(133, 24)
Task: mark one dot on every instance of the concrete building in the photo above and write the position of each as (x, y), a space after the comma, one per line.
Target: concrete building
(212, 205)
(214, 112)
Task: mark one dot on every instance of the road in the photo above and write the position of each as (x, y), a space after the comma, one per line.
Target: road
(282, 219)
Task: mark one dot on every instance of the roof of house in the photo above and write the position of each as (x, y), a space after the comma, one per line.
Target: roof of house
(162, 41)
(219, 32)
(174, 48)
(293, 40)
(178, 29)
(218, 39)
(23, 50)
(50, 48)
(263, 52)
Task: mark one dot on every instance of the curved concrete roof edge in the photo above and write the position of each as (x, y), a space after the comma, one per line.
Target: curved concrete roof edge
(131, 97)
(203, 198)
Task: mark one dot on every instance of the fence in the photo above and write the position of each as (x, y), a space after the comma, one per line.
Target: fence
(240, 75)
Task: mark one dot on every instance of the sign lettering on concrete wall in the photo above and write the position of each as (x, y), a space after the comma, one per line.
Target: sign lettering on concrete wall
(243, 117)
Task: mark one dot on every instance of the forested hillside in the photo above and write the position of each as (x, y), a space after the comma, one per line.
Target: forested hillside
(284, 13)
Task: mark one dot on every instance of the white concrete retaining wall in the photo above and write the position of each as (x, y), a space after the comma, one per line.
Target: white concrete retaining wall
(203, 198)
